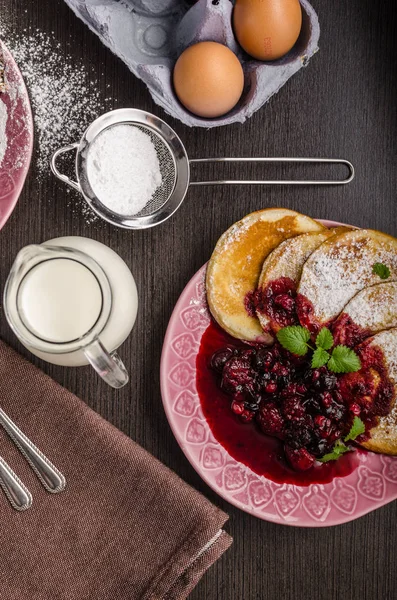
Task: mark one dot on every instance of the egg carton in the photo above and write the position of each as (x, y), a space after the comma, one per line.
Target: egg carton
(149, 35)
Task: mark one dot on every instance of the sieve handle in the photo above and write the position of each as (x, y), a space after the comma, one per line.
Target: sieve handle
(60, 175)
(339, 161)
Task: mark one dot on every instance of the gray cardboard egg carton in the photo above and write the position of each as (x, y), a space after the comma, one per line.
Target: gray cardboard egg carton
(149, 35)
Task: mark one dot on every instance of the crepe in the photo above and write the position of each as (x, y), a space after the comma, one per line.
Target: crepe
(236, 263)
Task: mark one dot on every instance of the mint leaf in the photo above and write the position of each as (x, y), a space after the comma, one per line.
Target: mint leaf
(382, 270)
(294, 338)
(320, 357)
(356, 429)
(338, 449)
(344, 360)
(324, 339)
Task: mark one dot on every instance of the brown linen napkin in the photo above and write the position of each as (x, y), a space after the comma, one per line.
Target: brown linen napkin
(126, 527)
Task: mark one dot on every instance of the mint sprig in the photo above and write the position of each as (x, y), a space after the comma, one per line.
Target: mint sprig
(324, 339)
(381, 270)
(344, 360)
(294, 338)
(320, 358)
(341, 360)
(340, 447)
(356, 429)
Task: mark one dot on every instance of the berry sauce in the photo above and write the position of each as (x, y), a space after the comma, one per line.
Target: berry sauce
(277, 301)
(370, 388)
(305, 311)
(347, 332)
(247, 391)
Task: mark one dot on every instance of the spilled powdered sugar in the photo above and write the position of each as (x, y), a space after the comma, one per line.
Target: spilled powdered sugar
(63, 95)
(339, 269)
(3, 125)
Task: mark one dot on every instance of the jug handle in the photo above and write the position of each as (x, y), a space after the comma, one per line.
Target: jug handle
(60, 175)
(109, 366)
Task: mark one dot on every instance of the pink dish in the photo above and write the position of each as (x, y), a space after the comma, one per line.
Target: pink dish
(371, 485)
(19, 131)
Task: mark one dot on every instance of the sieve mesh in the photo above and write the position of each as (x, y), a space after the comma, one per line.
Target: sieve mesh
(167, 170)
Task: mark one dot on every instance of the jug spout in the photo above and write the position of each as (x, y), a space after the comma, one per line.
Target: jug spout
(29, 256)
(24, 258)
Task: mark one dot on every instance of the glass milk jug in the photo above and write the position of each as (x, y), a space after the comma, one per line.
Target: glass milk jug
(72, 301)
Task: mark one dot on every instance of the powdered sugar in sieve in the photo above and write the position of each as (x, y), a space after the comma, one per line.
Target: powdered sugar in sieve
(130, 169)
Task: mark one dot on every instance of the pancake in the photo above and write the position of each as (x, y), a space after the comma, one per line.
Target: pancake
(286, 261)
(340, 268)
(370, 311)
(236, 263)
(380, 369)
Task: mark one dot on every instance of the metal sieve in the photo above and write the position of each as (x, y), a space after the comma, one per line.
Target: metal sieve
(174, 167)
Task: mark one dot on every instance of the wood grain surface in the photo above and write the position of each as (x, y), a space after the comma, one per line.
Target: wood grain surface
(343, 104)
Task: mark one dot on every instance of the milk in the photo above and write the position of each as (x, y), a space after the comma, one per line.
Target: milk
(60, 300)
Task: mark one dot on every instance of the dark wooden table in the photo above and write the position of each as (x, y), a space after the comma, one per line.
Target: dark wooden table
(343, 104)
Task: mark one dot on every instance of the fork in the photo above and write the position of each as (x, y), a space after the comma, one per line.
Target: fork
(18, 495)
(47, 473)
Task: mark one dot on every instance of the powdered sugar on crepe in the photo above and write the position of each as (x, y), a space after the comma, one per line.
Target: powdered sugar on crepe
(288, 258)
(342, 267)
(374, 308)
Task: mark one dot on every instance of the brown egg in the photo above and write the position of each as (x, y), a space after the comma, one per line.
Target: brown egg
(208, 79)
(267, 29)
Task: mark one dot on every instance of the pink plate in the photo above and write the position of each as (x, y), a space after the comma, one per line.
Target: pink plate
(372, 484)
(19, 131)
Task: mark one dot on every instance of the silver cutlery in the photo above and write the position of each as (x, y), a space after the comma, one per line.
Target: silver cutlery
(17, 493)
(48, 474)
